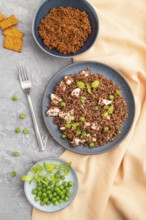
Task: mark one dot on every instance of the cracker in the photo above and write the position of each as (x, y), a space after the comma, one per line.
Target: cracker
(8, 22)
(1, 17)
(13, 32)
(13, 43)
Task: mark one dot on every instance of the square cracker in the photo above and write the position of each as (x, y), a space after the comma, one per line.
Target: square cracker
(1, 17)
(13, 32)
(13, 43)
(8, 22)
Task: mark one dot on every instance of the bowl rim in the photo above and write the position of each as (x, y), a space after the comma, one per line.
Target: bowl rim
(65, 56)
(73, 170)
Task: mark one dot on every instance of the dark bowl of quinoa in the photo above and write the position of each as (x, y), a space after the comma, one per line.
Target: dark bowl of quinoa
(82, 41)
(110, 75)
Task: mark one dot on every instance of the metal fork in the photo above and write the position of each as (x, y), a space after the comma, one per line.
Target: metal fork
(26, 87)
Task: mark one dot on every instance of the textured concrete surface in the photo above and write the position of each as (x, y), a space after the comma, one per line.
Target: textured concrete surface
(13, 204)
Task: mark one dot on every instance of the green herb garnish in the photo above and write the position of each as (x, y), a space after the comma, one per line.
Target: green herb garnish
(95, 84)
(80, 84)
(75, 125)
(89, 88)
(111, 109)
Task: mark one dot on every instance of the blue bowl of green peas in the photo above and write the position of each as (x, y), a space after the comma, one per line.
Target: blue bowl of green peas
(50, 185)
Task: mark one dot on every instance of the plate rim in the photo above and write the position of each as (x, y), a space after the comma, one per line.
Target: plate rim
(45, 92)
(77, 184)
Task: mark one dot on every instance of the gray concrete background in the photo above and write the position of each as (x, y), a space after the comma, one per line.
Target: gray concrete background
(13, 204)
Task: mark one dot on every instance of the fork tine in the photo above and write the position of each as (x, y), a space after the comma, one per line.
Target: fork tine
(19, 74)
(24, 73)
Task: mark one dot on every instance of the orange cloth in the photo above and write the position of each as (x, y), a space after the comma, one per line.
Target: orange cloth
(112, 186)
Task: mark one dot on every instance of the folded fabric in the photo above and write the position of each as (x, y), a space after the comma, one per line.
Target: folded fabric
(112, 186)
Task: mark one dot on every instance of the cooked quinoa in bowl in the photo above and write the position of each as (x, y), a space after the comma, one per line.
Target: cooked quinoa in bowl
(88, 108)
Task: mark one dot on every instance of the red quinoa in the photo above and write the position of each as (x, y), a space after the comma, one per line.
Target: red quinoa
(103, 109)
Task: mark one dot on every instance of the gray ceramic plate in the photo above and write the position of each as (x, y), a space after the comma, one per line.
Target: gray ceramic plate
(108, 72)
(51, 208)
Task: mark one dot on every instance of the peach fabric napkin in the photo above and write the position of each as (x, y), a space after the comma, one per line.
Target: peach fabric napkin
(112, 186)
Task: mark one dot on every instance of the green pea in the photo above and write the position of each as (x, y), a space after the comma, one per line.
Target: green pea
(96, 108)
(62, 104)
(60, 193)
(111, 97)
(118, 132)
(37, 198)
(106, 107)
(42, 203)
(54, 199)
(82, 100)
(106, 128)
(44, 195)
(54, 194)
(68, 194)
(14, 98)
(50, 196)
(34, 192)
(61, 187)
(65, 183)
(48, 203)
(48, 187)
(84, 134)
(13, 173)
(64, 191)
(48, 192)
(56, 189)
(39, 193)
(82, 119)
(68, 125)
(44, 190)
(17, 130)
(45, 200)
(16, 153)
(52, 190)
(60, 201)
(117, 92)
(91, 145)
(63, 136)
(70, 183)
(56, 203)
(62, 196)
(38, 188)
(66, 198)
(67, 188)
(62, 177)
(22, 116)
(105, 114)
(25, 131)
(78, 133)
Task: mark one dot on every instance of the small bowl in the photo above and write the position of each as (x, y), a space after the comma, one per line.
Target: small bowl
(51, 208)
(82, 5)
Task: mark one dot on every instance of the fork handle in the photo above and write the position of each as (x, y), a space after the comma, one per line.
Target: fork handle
(37, 132)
